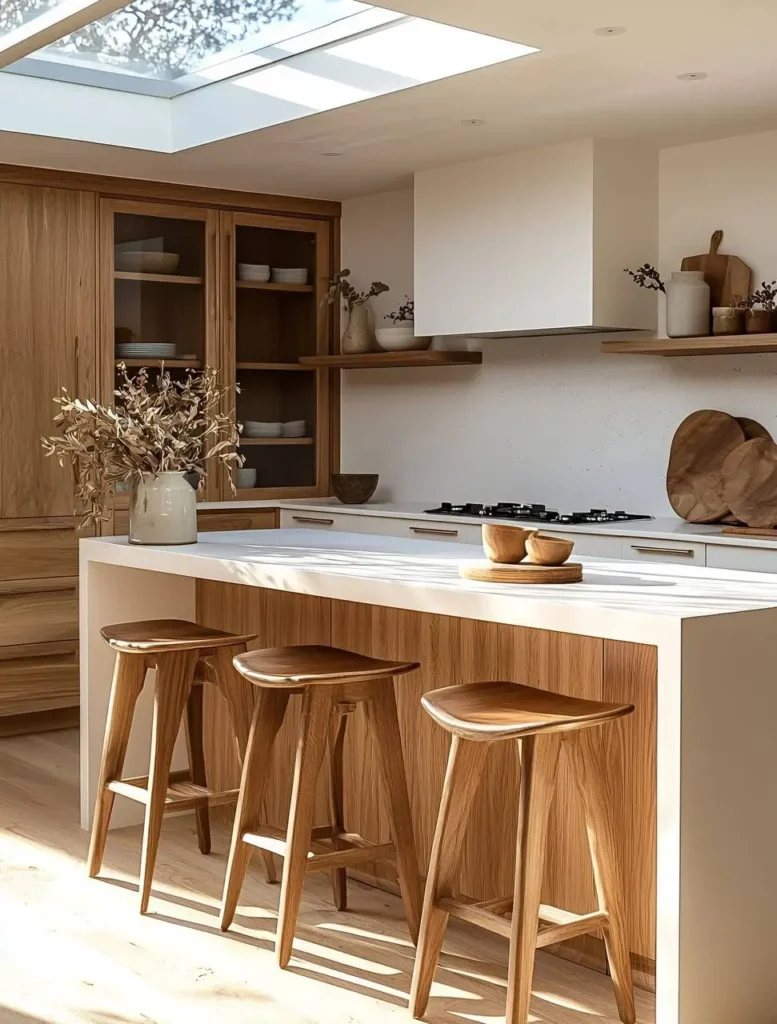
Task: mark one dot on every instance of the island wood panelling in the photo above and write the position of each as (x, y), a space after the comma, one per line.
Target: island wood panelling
(454, 651)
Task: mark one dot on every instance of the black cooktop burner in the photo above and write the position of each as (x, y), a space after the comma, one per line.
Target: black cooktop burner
(532, 513)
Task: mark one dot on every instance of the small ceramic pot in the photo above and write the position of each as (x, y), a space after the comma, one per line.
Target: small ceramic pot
(505, 544)
(727, 320)
(544, 550)
(163, 510)
(758, 321)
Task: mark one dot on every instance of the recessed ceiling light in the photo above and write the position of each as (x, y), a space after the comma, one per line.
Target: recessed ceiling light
(692, 76)
(473, 122)
(610, 30)
(332, 152)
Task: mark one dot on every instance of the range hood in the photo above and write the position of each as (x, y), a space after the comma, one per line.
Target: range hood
(536, 242)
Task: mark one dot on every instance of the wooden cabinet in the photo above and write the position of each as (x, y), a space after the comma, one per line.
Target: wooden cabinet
(211, 520)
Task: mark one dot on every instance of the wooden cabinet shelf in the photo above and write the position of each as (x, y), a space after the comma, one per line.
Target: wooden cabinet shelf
(170, 364)
(274, 366)
(125, 275)
(371, 360)
(275, 440)
(271, 286)
(731, 344)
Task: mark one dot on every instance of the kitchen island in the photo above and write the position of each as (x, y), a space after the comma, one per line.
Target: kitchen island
(693, 771)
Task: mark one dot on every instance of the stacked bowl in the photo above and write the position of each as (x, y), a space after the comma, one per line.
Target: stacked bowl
(293, 428)
(253, 272)
(290, 275)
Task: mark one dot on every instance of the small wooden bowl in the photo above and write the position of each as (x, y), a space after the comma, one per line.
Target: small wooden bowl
(354, 488)
(505, 544)
(544, 550)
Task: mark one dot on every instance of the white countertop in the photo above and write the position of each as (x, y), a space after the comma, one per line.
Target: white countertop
(661, 528)
(617, 599)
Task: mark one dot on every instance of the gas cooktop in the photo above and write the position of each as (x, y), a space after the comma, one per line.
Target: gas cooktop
(532, 513)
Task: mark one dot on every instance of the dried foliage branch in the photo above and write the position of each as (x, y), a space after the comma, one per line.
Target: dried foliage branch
(646, 276)
(340, 285)
(170, 426)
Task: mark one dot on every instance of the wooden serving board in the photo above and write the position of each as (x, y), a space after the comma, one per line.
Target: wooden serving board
(750, 482)
(749, 531)
(694, 479)
(728, 276)
(753, 428)
(524, 572)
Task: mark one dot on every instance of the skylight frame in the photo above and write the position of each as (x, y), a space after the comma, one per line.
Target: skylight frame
(51, 25)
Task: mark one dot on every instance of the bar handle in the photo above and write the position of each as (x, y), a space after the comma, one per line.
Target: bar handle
(436, 533)
(311, 519)
(647, 550)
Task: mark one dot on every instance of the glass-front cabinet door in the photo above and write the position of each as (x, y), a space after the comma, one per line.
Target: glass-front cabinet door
(275, 273)
(159, 266)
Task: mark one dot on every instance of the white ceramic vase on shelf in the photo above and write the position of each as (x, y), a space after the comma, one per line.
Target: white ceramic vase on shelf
(163, 510)
(687, 305)
(358, 331)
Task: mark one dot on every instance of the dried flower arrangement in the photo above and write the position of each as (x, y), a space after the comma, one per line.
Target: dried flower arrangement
(173, 426)
(646, 276)
(340, 285)
(764, 297)
(405, 313)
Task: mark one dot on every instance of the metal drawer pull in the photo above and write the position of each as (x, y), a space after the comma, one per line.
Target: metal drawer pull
(310, 519)
(686, 552)
(437, 533)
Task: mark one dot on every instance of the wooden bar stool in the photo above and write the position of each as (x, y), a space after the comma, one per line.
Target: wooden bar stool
(477, 715)
(185, 656)
(330, 682)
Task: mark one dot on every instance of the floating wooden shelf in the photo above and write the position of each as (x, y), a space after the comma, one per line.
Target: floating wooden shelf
(170, 364)
(371, 360)
(275, 440)
(273, 366)
(125, 275)
(712, 346)
(271, 286)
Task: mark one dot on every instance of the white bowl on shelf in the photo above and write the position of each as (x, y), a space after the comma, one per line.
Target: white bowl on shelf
(148, 350)
(139, 261)
(253, 272)
(293, 428)
(245, 478)
(400, 339)
(258, 428)
(290, 275)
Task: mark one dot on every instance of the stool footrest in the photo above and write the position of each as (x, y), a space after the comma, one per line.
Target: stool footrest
(356, 849)
(182, 793)
(562, 924)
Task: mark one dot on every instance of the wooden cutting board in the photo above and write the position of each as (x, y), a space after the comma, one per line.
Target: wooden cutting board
(753, 428)
(749, 531)
(729, 277)
(524, 572)
(694, 480)
(750, 482)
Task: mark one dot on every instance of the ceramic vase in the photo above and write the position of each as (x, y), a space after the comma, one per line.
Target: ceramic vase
(687, 305)
(758, 321)
(358, 332)
(163, 510)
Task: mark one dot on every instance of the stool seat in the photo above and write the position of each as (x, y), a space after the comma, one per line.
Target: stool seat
(156, 635)
(307, 665)
(501, 711)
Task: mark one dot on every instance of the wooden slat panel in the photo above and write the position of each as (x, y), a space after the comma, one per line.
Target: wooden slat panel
(38, 678)
(34, 554)
(39, 615)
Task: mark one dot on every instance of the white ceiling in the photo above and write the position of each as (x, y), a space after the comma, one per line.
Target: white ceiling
(580, 84)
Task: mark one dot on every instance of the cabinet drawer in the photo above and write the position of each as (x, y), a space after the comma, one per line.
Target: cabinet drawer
(240, 519)
(591, 545)
(39, 677)
(453, 533)
(637, 549)
(38, 611)
(38, 553)
(746, 559)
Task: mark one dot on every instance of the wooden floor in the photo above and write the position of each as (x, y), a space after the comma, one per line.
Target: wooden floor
(76, 951)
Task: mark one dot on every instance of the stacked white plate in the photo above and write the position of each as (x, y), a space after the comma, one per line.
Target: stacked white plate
(256, 428)
(290, 275)
(145, 350)
(253, 272)
(293, 428)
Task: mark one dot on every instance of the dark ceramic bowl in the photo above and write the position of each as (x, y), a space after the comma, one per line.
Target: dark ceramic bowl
(354, 488)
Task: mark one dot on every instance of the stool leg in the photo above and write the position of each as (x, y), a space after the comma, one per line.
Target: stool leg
(539, 766)
(594, 788)
(465, 766)
(267, 720)
(174, 675)
(311, 746)
(128, 676)
(336, 743)
(194, 746)
(240, 698)
(382, 719)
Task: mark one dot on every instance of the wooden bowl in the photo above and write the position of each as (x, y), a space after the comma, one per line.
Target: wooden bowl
(505, 544)
(544, 550)
(354, 488)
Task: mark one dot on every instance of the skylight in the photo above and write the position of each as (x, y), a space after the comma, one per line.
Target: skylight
(247, 63)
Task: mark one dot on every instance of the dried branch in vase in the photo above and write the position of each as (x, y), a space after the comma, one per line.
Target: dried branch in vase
(170, 426)
(340, 285)
(646, 276)
(405, 312)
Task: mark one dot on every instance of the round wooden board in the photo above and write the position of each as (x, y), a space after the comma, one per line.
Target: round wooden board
(524, 572)
(753, 428)
(750, 478)
(694, 481)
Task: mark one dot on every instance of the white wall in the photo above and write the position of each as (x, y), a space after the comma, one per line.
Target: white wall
(553, 419)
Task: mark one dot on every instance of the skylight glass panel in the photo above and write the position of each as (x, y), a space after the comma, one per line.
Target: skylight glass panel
(165, 47)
